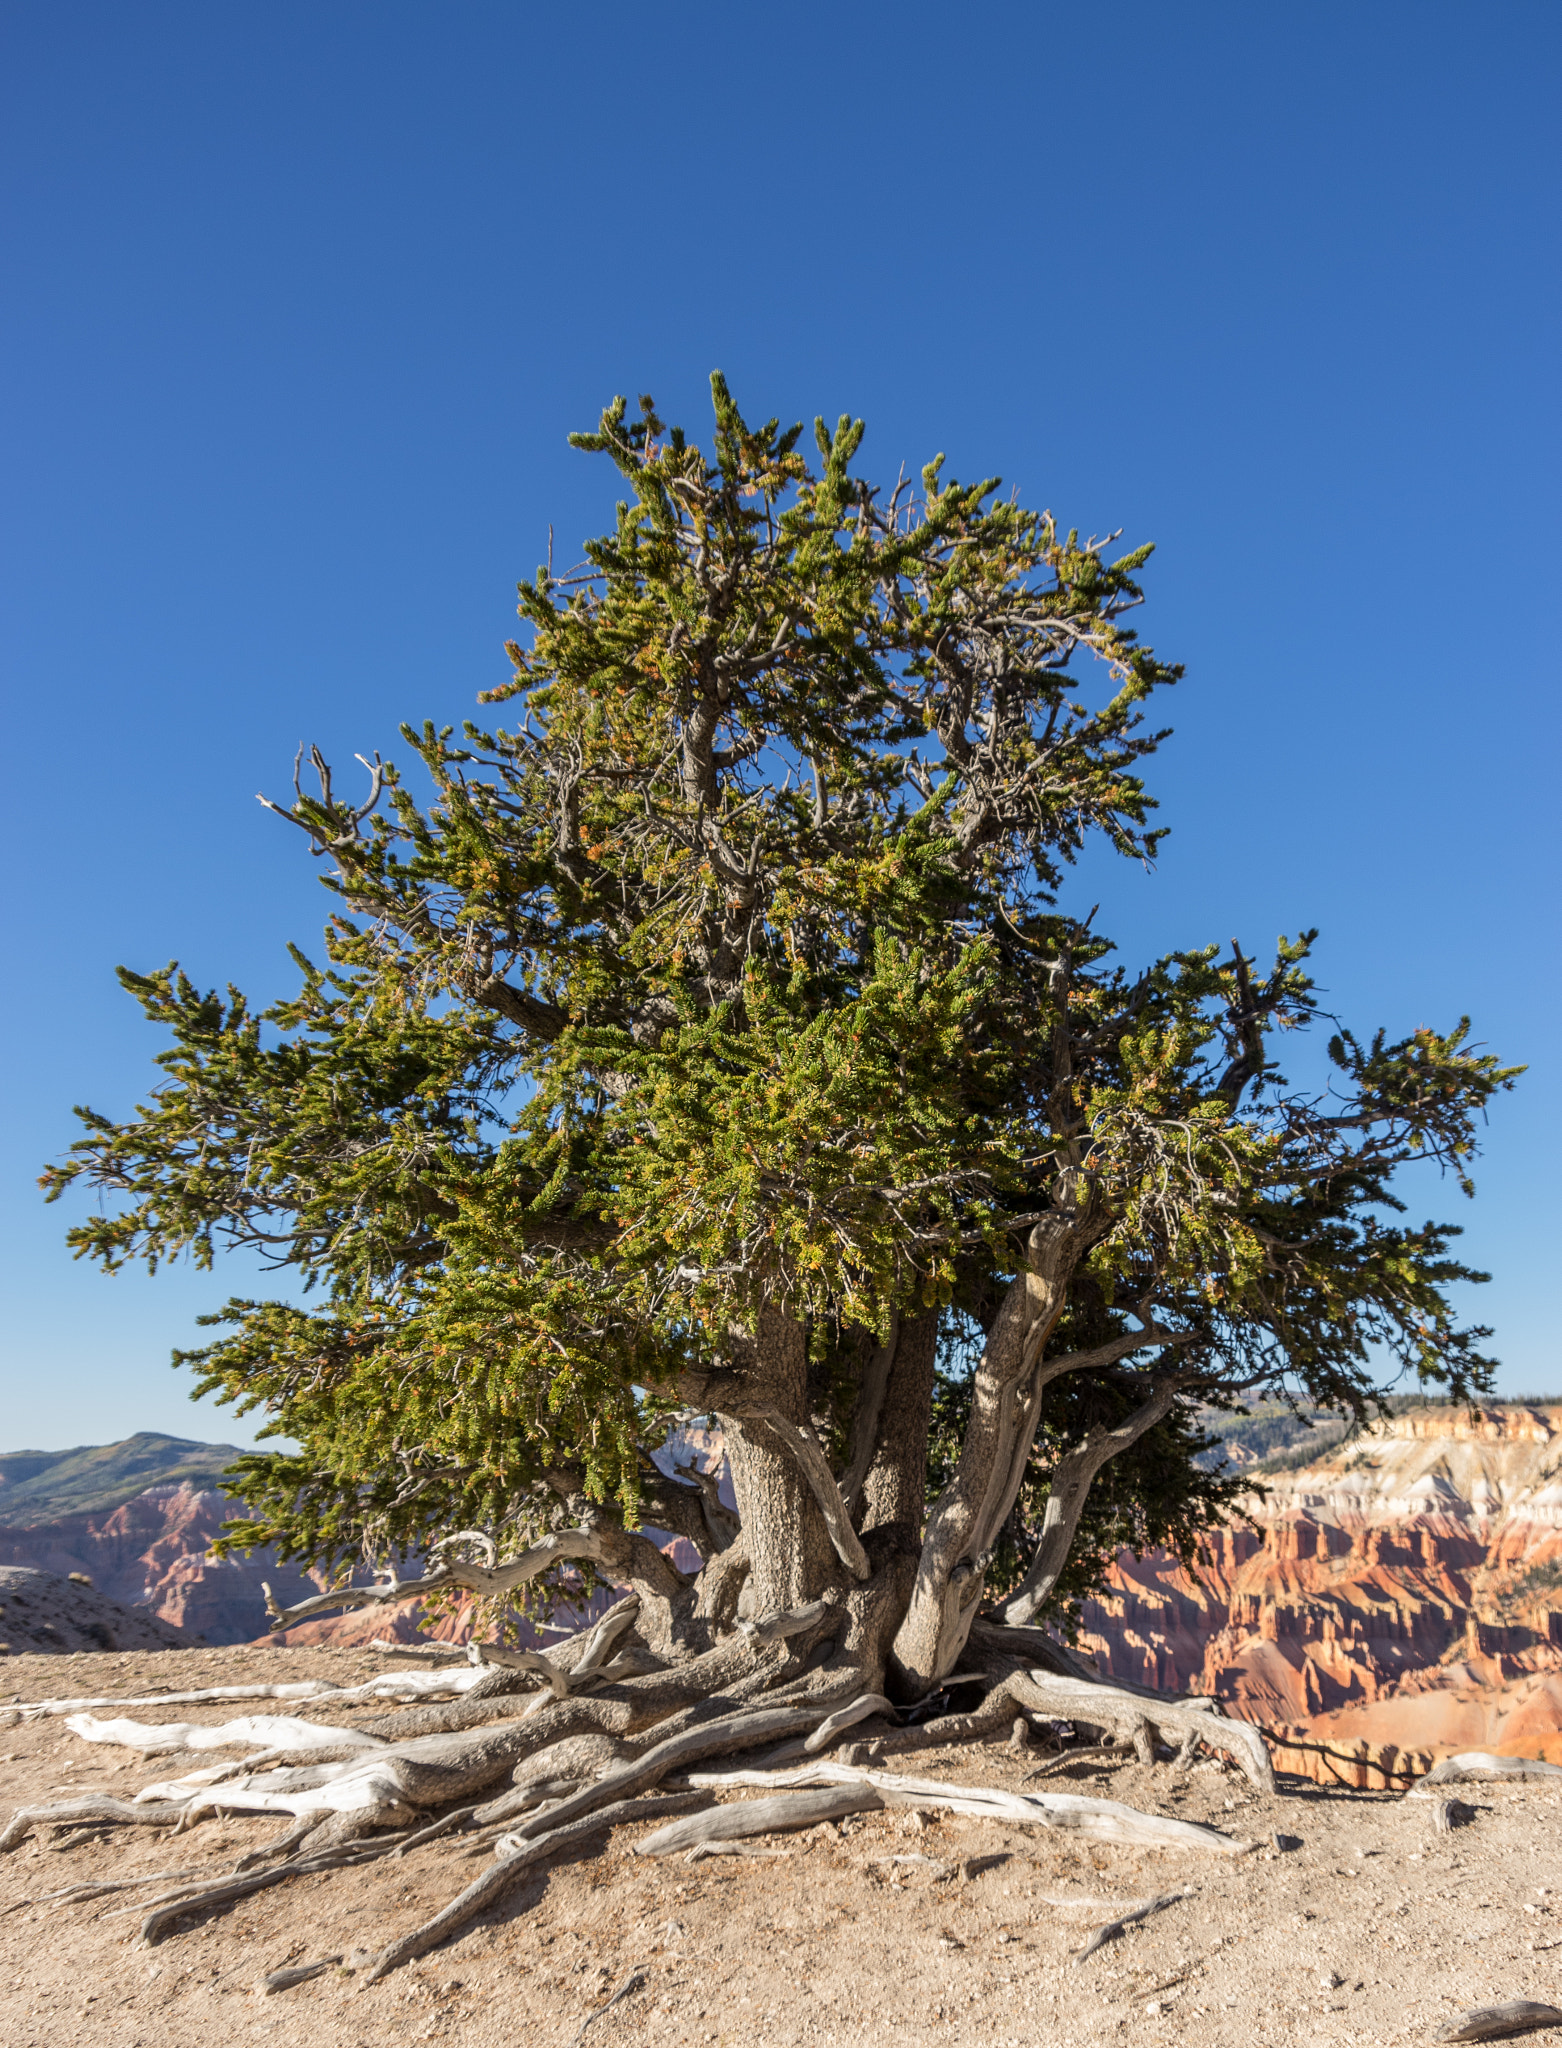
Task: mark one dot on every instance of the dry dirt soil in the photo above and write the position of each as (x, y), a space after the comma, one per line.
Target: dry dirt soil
(1375, 1929)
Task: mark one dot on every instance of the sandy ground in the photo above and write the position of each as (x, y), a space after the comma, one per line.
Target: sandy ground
(1376, 1929)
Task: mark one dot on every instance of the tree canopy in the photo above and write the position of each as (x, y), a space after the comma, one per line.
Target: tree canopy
(720, 1027)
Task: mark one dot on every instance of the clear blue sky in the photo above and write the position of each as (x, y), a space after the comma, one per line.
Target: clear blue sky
(301, 301)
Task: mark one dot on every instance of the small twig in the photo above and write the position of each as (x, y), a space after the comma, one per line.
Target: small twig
(299, 1973)
(1112, 1928)
(635, 1981)
(703, 1849)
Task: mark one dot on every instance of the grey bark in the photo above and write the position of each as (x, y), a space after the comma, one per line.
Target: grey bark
(1005, 1408)
(1069, 1485)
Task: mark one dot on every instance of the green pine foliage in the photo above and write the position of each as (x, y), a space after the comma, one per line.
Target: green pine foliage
(737, 967)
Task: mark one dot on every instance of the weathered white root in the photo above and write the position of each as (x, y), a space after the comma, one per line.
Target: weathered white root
(91, 1807)
(253, 1731)
(784, 1815)
(517, 1858)
(1105, 1819)
(421, 1653)
(862, 1709)
(1132, 1715)
(1480, 1763)
(389, 1685)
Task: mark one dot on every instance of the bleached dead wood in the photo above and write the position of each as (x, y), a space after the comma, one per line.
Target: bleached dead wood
(254, 1731)
(517, 1858)
(860, 1709)
(419, 1653)
(91, 1806)
(601, 1639)
(1501, 2022)
(809, 1453)
(1106, 1819)
(781, 1815)
(523, 1660)
(1130, 1714)
(1480, 1763)
(389, 1685)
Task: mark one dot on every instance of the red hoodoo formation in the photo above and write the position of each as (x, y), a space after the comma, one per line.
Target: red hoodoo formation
(1398, 1599)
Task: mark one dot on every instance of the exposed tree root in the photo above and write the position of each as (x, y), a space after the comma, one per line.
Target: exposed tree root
(277, 1734)
(1131, 1715)
(279, 1845)
(308, 1691)
(783, 1815)
(190, 1899)
(585, 1750)
(1105, 1819)
(91, 1807)
(501, 1875)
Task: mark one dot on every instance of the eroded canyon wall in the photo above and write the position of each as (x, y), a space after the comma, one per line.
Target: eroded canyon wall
(1396, 1599)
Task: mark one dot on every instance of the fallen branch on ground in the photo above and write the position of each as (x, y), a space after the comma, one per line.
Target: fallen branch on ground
(1501, 2022)
(1105, 1819)
(388, 1685)
(1480, 1763)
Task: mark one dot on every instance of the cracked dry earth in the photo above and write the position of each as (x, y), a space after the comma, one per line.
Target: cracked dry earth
(1377, 1929)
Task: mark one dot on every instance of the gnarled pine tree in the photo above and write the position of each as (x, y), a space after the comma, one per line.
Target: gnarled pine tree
(716, 1030)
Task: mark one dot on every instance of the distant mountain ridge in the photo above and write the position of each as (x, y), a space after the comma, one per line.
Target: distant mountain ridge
(41, 1486)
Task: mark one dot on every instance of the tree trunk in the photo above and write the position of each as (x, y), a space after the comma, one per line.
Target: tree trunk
(1005, 1409)
(1071, 1480)
(893, 1494)
(791, 1559)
